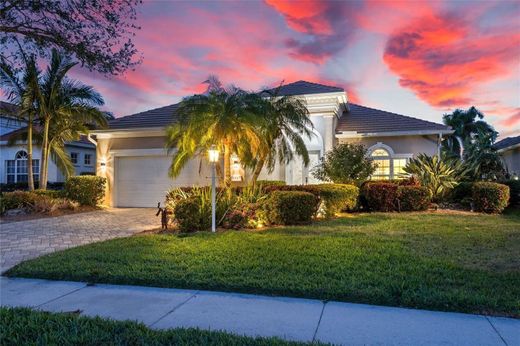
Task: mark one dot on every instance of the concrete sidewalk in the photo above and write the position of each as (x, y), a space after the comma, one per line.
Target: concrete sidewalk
(253, 315)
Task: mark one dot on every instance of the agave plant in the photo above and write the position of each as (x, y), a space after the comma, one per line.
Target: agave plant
(438, 174)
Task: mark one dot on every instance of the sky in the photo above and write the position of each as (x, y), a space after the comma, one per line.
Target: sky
(416, 58)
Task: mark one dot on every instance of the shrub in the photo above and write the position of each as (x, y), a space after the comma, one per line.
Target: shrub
(336, 197)
(17, 199)
(438, 174)
(291, 207)
(50, 193)
(10, 187)
(345, 164)
(462, 193)
(412, 198)
(514, 191)
(270, 183)
(86, 189)
(379, 196)
(187, 215)
(490, 197)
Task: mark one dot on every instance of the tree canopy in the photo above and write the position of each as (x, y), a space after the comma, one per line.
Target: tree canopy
(97, 33)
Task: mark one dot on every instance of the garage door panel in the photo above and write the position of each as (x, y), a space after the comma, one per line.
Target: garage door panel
(142, 181)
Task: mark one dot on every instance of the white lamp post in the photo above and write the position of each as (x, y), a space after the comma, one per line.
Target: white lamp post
(213, 158)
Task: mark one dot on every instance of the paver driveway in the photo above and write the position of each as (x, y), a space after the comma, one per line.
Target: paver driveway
(29, 239)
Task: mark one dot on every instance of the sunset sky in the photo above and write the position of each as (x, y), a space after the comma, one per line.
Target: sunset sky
(415, 58)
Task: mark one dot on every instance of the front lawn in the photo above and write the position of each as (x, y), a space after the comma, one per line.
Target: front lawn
(27, 327)
(443, 261)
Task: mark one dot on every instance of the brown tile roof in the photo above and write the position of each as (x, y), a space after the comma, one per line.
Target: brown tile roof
(302, 87)
(363, 119)
(158, 117)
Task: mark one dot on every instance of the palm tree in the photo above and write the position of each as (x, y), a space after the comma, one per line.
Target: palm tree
(286, 121)
(469, 127)
(220, 117)
(65, 108)
(22, 93)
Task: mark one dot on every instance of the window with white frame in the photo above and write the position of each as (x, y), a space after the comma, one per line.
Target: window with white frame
(74, 158)
(87, 159)
(16, 170)
(388, 164)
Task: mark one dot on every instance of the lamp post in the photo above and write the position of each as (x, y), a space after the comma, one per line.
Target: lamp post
(213, 158)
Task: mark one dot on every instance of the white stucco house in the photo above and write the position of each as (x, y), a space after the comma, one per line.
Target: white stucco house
(509, 150)
(131, 152)
(13, 158)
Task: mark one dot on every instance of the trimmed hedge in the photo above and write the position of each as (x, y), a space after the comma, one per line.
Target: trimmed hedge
(86, 189)
(270, 183)
(514, 191)
(187, 215)
(379, 196)
(413, 198)
(490, 197)
(10, 187)
(333, 198)
(291, 207)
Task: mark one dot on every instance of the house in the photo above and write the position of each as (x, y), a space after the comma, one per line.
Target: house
(509, 150)
(132, 156)
(13, 158)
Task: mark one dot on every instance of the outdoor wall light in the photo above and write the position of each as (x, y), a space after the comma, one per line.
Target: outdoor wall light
(103, 166)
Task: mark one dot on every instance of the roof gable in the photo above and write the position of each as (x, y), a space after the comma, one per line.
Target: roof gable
(302, 87)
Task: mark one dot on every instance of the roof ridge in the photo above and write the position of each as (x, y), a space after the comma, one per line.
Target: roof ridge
(317, 84)
(401, 115)
(139, 113)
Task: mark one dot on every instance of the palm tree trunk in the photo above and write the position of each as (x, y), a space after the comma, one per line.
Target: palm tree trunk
(30, 177)
(227, 165)
(45, 156)
(258, 169)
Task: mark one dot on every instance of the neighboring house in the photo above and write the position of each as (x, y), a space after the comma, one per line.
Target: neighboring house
(509, 149)
(132, 156)
(13, 158)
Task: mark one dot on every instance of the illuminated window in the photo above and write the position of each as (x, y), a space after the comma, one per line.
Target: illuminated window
(381, 159)
(380, 152)
(399, 164)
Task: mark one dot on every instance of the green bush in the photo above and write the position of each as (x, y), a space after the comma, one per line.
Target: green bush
(291, 207)
(50, 193)
(413, 198)
(188, 216)
(270, 183)
(17, 199)
(86, 189)
(490, 197)
(345, 164)
(337, 197)
(379, 196)
(462, 193)
(514, 191)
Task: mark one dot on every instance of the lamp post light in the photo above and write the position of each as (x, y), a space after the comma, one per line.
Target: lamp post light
(213, 158)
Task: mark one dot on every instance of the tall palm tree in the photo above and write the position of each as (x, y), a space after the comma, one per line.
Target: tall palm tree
(220, 117)
(22, 92)
(286, 122)
(65, 107)
(469, 127)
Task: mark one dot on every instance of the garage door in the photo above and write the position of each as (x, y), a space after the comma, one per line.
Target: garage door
(142, 181)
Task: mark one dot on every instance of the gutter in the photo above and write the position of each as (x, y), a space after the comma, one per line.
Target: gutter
(514, 146)
(355, 134)
(91, 140)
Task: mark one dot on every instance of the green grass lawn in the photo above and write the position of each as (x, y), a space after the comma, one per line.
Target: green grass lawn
(454, 262)
(23, 326)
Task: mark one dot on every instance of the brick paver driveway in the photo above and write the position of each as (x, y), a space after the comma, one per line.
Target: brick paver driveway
(29, 239)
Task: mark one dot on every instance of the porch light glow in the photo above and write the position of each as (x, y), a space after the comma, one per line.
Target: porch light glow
(213, 154)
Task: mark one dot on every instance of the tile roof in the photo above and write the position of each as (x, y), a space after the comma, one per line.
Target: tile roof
(363, 119)
(302, 87)
(83, 140)
(158, 117)
(507, 142)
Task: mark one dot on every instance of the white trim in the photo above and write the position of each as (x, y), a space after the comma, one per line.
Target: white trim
(511, 147)
(128, 133)
(391, 156)
(354, 134)
(380, 145)
(139, 152)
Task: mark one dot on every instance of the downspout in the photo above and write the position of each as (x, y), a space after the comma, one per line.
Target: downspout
(439, 144)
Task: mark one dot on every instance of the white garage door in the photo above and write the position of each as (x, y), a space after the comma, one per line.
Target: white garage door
(142, 181)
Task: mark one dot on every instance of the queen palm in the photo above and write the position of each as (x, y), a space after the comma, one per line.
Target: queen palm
(21, 92)
(219, 117)
(65, 107)
(286, 122)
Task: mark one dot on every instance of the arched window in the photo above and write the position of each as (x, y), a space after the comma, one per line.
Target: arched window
(16, 170)
(389, 164)
(381, 158)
